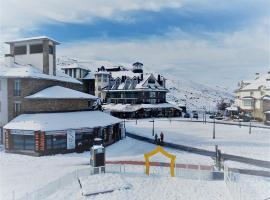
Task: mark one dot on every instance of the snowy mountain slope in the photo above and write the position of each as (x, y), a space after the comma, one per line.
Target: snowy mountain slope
(194, 95)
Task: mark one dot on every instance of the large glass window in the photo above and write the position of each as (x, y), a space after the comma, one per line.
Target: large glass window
(20, 50)
(59, 141)
(23, 142)
(36, 48)
(248, 102)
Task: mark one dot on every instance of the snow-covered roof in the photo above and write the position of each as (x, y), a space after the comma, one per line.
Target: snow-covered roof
(29, 71)
(266, 97)
(135, 107)
(126, 73)
(61, 121)
(33, 38)
(267, 112)
(74, 65)
(232, 108)
(262, 81)
(58, 92)
(88, 76)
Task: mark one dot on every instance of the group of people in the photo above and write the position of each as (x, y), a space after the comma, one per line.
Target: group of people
(159, 140)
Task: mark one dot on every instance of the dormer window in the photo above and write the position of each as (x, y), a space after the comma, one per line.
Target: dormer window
(151, 81)
(36, 48)
(20, 50)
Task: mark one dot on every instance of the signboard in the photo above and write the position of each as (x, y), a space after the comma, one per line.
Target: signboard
(71, 139)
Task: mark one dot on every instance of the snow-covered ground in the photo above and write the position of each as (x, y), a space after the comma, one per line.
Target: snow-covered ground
(230, 139)
(152, 188)
(17, 170)
(24, 174)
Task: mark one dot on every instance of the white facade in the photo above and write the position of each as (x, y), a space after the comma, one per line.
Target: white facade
(35, 59)
(102, 79)
(250, 97)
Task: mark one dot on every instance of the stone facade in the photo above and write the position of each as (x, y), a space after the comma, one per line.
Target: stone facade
(31, 86)
(54, 105)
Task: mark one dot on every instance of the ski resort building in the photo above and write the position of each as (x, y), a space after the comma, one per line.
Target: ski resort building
(254, 97)
(31, 88)
(50, 133)
(76, 70)
(134, 94)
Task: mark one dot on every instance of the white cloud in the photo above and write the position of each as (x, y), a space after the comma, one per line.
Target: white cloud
(227, 57)
(28, 14)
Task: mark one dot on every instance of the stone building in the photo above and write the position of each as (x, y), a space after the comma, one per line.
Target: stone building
(133, 93)
(31, 87)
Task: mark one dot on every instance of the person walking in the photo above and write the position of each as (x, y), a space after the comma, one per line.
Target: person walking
(161, 138)
(156, 138)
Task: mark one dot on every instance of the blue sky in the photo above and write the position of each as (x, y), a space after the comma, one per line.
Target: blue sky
(210, 41)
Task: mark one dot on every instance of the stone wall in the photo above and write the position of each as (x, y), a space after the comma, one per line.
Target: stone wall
(31, 86)
(54, 105)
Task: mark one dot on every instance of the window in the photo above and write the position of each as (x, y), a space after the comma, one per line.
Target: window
(17, 107)
(17, 87)
(59, 141)
(51, 49)
(152, 94)
(99, 88)
(251, 93)
(20, 50)
(247, 102)
(23, 142)
(36, 48)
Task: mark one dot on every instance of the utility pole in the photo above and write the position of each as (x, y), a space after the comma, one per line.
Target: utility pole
(249, 127)
(153, 127)
(214, 128)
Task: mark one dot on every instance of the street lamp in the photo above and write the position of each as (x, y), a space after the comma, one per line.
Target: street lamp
(214, 128)
(153, 127)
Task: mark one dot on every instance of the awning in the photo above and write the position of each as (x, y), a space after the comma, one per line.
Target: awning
(232, 108)
(61, 121)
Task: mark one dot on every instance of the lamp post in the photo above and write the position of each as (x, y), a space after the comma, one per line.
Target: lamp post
(153, 127)
(214, 128)
(250, 127)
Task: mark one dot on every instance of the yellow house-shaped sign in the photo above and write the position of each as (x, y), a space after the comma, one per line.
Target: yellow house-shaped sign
(159, 149)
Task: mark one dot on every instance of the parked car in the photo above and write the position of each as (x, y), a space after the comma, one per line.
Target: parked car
(195, 115)
(186, 115)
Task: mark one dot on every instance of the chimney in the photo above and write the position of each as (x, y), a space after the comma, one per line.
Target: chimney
(9, 60)
(268, 76)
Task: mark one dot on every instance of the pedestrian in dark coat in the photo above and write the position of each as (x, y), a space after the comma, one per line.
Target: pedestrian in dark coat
(156, 138)
(161, 137)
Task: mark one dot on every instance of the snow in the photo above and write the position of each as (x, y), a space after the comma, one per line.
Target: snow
(59, 92)
(39, 171)
(29, 71)
(232, 108)
(262, 80)
(102, 183)
(230, 139)
(135, 107)
(32, 38)
(61, 121)
(195, 96)
(89, 76)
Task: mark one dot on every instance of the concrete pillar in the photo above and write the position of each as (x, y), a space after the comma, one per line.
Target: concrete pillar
(46, 57)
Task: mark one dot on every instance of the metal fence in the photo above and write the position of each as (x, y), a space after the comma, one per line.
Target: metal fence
(246, 187)
(62, 182)
(55, 186)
